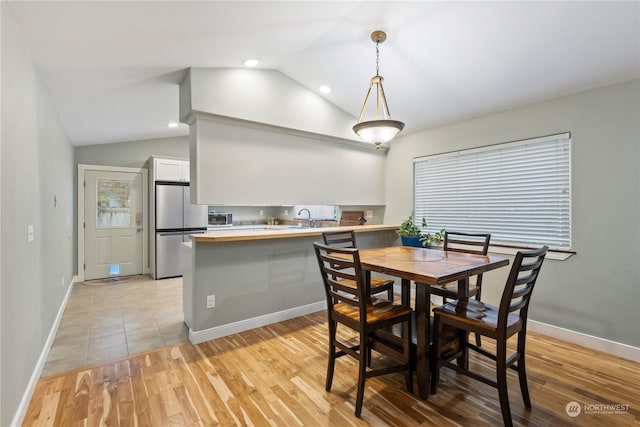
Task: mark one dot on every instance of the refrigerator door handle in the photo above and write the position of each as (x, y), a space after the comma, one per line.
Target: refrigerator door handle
(169, 233)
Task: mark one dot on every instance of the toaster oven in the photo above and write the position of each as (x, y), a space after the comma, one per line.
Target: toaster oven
(217, 219)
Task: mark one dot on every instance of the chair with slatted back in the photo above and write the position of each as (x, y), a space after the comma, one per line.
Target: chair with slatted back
(347, 239)
(498, 323)
(353, 307)
(470, 243)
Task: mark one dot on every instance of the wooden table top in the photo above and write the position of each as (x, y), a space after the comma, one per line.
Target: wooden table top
(431, 266)
(261, 232)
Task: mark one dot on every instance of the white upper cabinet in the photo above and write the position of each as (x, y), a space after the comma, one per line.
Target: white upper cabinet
(171, 170)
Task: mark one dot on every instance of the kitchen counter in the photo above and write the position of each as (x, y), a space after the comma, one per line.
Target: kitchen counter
(260, 232)
(239, 278)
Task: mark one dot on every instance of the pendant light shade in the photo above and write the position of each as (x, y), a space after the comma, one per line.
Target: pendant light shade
(382, 129)
(378, 131)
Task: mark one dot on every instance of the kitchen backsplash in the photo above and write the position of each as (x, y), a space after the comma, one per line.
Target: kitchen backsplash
(249, 215)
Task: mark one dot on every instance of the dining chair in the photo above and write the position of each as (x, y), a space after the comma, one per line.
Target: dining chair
(354, 308)
(498, 323)
(470, 243)
(347, 239)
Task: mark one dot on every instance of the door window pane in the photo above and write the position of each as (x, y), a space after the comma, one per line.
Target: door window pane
(114, 203)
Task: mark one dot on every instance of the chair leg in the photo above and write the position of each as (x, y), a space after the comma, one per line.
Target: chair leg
(435, 354)
(522, 370)
(332, 353)
(478, 342)
(407, 354)
(390, 293)
(362, 369)
(463, 360)
(501, 376)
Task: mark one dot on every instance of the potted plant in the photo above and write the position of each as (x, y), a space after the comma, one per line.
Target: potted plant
(428, 238)
(412, 235)
(272, 220)
(409, 233)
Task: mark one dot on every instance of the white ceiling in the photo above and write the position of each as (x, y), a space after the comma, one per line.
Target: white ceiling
(113, 67)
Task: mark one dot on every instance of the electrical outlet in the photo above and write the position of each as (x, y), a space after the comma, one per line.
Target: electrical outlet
(369, 214)
(62, 281)
(286, 212)
(261, 212)
(211, 301)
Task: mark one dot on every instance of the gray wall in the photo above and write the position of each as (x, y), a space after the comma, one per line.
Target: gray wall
(132, 154)
(37, 168)
(596, 291)
(262, 96)
(238, 165)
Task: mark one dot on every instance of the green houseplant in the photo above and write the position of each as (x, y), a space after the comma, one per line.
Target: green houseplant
(412, 235)
(409, 232)
(428, 238)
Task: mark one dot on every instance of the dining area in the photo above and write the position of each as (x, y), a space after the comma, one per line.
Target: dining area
(425, 339)
(291, 371)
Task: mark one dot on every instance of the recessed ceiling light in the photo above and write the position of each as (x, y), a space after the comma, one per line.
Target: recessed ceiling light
(325, 89)
(172, 125)
(250, 62)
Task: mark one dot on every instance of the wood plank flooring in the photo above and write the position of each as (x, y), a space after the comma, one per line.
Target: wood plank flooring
(275, 375)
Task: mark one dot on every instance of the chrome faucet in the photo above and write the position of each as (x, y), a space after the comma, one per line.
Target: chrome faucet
(309, 218)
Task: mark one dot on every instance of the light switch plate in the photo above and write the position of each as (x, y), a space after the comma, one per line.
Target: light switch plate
(369, 214)
(30, 233)
(211, 301)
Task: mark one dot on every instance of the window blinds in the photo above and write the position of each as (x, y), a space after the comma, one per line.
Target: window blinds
(520, 192)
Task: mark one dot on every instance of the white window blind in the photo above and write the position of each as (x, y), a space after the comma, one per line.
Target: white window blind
(520, 192)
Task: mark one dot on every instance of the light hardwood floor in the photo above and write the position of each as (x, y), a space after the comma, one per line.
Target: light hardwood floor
(275, 375)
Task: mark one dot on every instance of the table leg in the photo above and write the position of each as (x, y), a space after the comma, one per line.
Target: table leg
(463, 336)
(405, 295)
(422, 334)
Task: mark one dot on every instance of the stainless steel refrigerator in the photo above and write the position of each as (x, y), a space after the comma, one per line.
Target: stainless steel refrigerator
(175, 219)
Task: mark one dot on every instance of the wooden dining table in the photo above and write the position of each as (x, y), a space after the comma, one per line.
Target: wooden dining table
(427, 267)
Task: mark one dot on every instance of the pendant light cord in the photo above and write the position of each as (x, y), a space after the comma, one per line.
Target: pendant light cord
(377, 59)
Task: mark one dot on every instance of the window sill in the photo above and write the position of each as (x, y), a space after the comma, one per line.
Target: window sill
(510, 250)
(551, 253)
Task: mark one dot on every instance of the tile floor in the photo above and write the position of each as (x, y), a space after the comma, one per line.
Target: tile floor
(103, 322)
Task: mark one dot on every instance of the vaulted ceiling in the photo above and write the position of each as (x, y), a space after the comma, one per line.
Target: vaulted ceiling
(113, 67)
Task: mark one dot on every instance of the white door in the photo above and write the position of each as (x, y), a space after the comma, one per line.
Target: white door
(113, 224)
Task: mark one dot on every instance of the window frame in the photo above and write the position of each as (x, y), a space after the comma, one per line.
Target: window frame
(563, 139)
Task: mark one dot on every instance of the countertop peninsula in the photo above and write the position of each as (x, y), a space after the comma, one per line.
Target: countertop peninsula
(261, 232)
(243, 277)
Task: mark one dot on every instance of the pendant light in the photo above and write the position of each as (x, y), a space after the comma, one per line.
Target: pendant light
(382, 129)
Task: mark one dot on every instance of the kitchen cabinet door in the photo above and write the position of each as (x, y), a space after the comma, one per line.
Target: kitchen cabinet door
(171, 170)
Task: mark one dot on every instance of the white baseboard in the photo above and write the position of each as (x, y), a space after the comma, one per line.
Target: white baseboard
(255, 322)
(18, 418)
(611, 347)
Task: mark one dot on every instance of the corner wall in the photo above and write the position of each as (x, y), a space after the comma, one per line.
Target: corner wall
(37, 189)
(595, 292)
